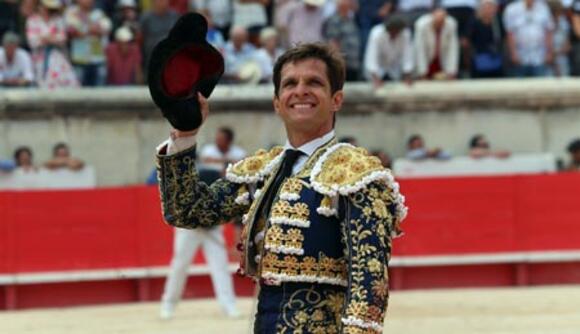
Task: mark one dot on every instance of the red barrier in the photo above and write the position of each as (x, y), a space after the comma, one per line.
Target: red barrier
(122, 227)
(491, 214)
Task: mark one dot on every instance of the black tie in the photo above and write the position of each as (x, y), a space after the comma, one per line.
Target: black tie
(290, 157)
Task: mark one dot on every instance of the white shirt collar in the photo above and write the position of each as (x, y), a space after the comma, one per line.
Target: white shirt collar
(310, 147)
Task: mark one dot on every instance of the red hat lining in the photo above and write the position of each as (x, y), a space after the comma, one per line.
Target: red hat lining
(186, 67)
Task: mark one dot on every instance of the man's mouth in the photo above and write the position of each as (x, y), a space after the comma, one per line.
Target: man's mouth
(302, 105)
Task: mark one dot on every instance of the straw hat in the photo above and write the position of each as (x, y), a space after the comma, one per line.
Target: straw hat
(127, 4)
(123, 34)
(52, 4)
(250, 73)
(317, 3)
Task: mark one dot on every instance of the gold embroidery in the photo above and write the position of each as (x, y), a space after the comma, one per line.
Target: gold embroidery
(281, 208)
(346, 167)
(322, 269)
(370, 252)
(300, 211)
(294, 238)
(277, 238)
(316, 311)
(291, 186)
(255, 164)
(309, 165)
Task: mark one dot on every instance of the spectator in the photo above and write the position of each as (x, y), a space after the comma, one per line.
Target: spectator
(303, 22)
(389, 55)
(8, 16)
(281, 10)
(214, 36)
(219, 155)
(124, 60)
(179, 6)
(26, 9)
(46, 34)
(61, 158)
(412, 10)
(436, 46)
(127, 16)
(463, 11)
(529, 27)
(15, 63)
(23, 159)
(155, 25)
(369, 14)
(237, 52)
(575, 37)
(386, 160)
(479, 148)
(485, 36)
(220, 12)
(268, 53)
(342, 33)
(6, 166)
(416, 150)
(561, 40)
(574, 150)
(214, 159)
(89, 29)
(251, 14)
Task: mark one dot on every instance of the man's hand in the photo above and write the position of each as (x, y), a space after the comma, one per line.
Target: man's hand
(204, 108)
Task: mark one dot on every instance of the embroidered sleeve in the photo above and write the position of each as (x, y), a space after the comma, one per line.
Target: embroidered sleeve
(371, 221)
(188, 202)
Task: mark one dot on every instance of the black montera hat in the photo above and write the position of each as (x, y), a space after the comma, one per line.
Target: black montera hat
(182, 65)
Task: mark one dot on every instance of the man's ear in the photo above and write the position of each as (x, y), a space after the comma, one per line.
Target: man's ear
(337, 99)
(276, 103)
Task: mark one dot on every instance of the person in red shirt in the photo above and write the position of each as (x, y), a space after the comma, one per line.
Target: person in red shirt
(124, 60)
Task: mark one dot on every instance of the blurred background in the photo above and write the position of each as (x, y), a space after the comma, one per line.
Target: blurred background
(473, 104)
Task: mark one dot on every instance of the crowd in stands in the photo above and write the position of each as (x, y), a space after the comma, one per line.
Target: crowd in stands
(71, 43)
(23, 160)
(479, 148)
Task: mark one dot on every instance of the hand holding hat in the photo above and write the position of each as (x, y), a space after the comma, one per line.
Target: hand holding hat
(183, 65)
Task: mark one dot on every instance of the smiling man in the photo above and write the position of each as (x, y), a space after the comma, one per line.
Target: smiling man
(318, 216)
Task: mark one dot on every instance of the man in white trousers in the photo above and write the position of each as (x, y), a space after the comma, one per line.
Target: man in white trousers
(213, 160)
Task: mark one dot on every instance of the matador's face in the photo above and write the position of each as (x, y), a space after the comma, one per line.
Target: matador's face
(305, 101)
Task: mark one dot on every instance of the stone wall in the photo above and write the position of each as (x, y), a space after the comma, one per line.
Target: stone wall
(117, 129)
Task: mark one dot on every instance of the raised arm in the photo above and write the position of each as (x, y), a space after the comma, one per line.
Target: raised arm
(188, 202)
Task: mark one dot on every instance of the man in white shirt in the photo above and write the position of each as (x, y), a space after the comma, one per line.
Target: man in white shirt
(319, 215)
(436, 46)
(213, 161)
(15, 63)
(221, 153)
(302, 22)
(529, 27)
(389, 54)
(237, 52)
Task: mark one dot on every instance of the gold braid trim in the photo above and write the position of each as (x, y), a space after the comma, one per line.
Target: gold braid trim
(256, 167)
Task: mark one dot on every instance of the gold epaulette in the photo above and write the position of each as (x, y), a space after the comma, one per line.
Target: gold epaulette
(344, 169)
(256, 167)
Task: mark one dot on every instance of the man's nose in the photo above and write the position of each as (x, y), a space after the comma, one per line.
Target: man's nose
(301, 89)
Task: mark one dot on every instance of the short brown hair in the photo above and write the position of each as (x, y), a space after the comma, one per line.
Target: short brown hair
(334, 63)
